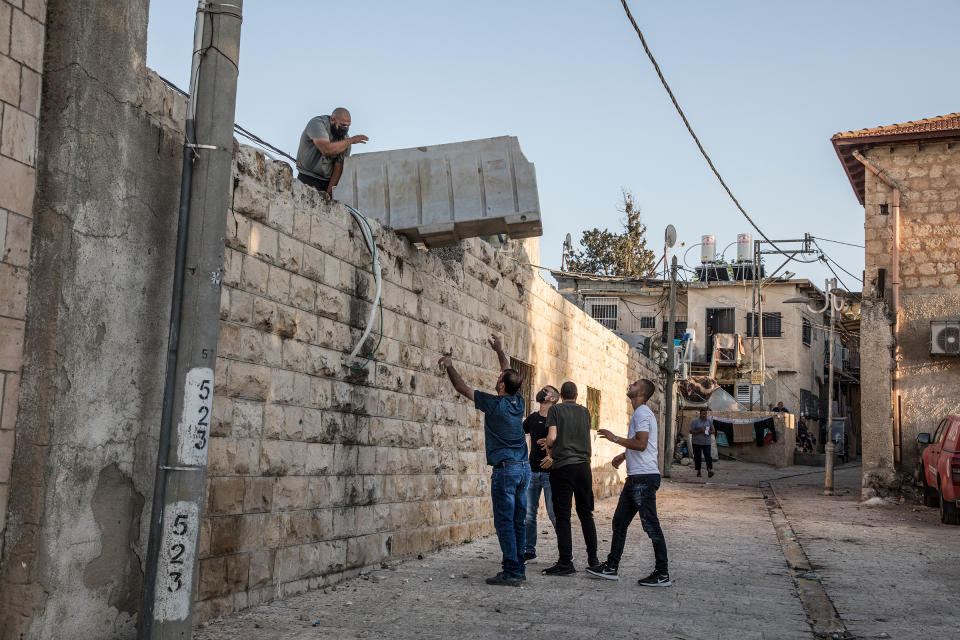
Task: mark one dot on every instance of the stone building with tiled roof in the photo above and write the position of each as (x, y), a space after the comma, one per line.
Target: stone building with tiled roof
(907, 177)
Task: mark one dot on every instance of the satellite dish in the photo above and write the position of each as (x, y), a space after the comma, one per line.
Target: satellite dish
(568, 243)
(670, 236)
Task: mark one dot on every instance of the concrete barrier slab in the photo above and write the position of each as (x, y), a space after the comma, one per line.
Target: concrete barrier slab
(441, 194)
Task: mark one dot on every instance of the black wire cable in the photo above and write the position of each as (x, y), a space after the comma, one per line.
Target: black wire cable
(686, 122)
(242, 131)
(849, 244)
(839, 266)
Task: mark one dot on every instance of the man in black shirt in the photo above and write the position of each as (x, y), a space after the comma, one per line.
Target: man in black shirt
(536, 426)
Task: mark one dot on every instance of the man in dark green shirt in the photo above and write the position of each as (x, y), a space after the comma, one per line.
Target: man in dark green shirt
(568, 458)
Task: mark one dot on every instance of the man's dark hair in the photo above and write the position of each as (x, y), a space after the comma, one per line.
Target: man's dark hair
(648, 388)
(703, 410)
(512, 381)
(568, 391)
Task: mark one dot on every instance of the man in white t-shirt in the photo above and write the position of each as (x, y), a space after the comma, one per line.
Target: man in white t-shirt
(639, 495)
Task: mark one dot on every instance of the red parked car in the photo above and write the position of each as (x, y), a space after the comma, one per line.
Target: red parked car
(940, 472)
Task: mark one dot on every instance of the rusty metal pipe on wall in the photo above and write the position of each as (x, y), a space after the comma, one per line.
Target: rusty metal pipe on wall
(895, 286)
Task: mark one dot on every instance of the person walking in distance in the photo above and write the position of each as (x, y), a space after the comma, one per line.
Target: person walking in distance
(506, 449)
(568, 458)
(536, 426)
(700, 430)
(639, 494)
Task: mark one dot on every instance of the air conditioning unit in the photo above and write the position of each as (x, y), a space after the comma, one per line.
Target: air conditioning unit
(945, 338)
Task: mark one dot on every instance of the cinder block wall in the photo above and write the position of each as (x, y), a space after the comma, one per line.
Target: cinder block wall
(930, 290)
(21, 62)
(315, 470)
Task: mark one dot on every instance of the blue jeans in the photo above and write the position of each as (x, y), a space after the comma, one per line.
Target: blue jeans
(538, 480)
(639, 497)
(508, 490)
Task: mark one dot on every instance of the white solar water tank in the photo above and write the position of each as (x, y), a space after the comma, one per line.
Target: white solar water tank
(744, 247)
(708, 249)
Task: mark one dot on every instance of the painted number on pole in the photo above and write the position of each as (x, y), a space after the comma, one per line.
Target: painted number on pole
(194, 430)
(178, 555)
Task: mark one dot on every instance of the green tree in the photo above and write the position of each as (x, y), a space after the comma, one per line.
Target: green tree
(616, 254)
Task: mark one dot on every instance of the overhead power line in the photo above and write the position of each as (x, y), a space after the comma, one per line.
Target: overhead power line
(849, 244)
(243, 132)
(686, 122)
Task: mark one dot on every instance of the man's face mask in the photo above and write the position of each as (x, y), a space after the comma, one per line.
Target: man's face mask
(541, 396)
(338, 131)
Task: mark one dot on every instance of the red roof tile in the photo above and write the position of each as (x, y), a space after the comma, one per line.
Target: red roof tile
(949, 122)
(845, 143)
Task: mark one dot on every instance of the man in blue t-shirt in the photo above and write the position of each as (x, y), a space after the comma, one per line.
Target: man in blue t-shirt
(506, 446)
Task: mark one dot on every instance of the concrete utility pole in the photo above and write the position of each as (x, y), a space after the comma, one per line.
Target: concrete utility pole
(829, 448)
(671, 371)
(170, 580)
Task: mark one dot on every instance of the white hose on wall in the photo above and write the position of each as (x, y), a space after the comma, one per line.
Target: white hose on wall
(372, 246)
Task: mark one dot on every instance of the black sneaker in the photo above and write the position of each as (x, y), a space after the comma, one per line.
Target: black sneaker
(710, 473)
(655, 579)
(503, 580)
(560, 570)
(528, 556)
(604, 570)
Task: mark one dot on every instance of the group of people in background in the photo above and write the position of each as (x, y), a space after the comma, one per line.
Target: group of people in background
(557, 463)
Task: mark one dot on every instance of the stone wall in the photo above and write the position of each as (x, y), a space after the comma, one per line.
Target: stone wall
(930, 290)
(21, 66)
(317, 470)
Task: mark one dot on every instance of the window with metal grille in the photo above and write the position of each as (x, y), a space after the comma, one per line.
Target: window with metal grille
(806, 332)
(593, 406)
(604, 311)
(772, 324)
(644, 322)
(526, 371)
(680, 328)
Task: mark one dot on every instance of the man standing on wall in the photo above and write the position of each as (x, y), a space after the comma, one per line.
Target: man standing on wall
(639, 494)
(536, 426)
(568, 449)
(700, 430)
(506, 448)
(323, 146)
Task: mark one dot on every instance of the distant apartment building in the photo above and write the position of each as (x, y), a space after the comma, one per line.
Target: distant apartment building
(787, 343)
(907, 177)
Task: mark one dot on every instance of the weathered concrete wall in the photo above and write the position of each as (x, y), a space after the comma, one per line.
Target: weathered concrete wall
(21, 67)
(930, 290)
(316, 471)
(96, 329)
(876, 404)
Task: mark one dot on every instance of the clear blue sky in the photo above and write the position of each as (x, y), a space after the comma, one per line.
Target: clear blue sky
(765, 84)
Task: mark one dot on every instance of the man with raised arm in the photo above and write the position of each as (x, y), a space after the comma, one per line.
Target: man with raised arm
(639, 494)
(323, 147)
(506, 448)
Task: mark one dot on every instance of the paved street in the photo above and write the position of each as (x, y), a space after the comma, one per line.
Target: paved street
(889, 570)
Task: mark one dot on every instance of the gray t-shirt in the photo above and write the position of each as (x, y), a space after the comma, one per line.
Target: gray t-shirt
(572, 445)
(701, 438)
(309, 159)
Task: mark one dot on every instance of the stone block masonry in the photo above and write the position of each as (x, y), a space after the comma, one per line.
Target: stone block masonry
(929, 174)
(21, 53)
(317, 470)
